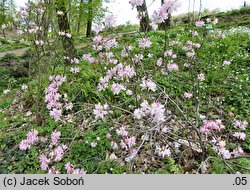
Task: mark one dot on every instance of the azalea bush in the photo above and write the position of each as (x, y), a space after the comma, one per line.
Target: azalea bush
(157, 102)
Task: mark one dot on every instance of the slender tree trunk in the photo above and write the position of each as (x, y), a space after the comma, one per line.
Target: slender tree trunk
(90, 18)
(189, 7)
(194, 10)
(3, 3)
(144, 22)
(80, 17)
(63, 23)
(199, 15)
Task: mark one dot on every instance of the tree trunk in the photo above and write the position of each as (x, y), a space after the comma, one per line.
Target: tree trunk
(193, 10)
(199, 15)
(3, 18)
(63, 23)
(144, 22)
(80, 17)
(90, 18)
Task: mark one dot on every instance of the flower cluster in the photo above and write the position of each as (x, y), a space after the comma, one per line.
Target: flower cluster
(71, 170)
(110, 20)
(136, 3)
(155, 112)
(210, 126)
(61, 33)
(119, 72)
(144, 42)
(163, 151)
(52, 96)
(148, 84)
(32, 138)
(168, 7)
(101, 111)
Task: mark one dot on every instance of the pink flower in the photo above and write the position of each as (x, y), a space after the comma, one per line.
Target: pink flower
(131, 141)
(195, 33)
(97, 28)
(163, 151)
(129, 92)
(144, 42)
(201, 77)
(168, 53)
(188, 95)
(71, 170)
(216, 20)
(240, 135)
(74, 70)
(117, 88)
(237, 151)
(222, 144)
(24, 145)
(226, 62)
(241, 125)
(199, 23)
(32, 138)
(148, 84)
(110, 20)
(55, 135)
(101, 111)
(225, 153)
(44, 161)
(96, 40)
(56, 114)
(136, 3)
(159, 62)
(172, 67)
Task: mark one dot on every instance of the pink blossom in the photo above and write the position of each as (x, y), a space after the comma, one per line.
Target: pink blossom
(74, 70)
(241, 124)
(216, 20)
(148, 84)
(159, 62)
(110, 20)
(172, 66)
(226, 62)
(188, 95)
(195, 33)
(71, 170)
(44, 161)
(168, 53)
(101, 111)
(163, 151)
(144, 42)
(24, 145)
(201, 77)
(55, 114)
(55, 135)
(240, 135)
(32, 138)
(199, 23)
(136, 3)
(97, 28)
(131, 141)
(117, 88)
